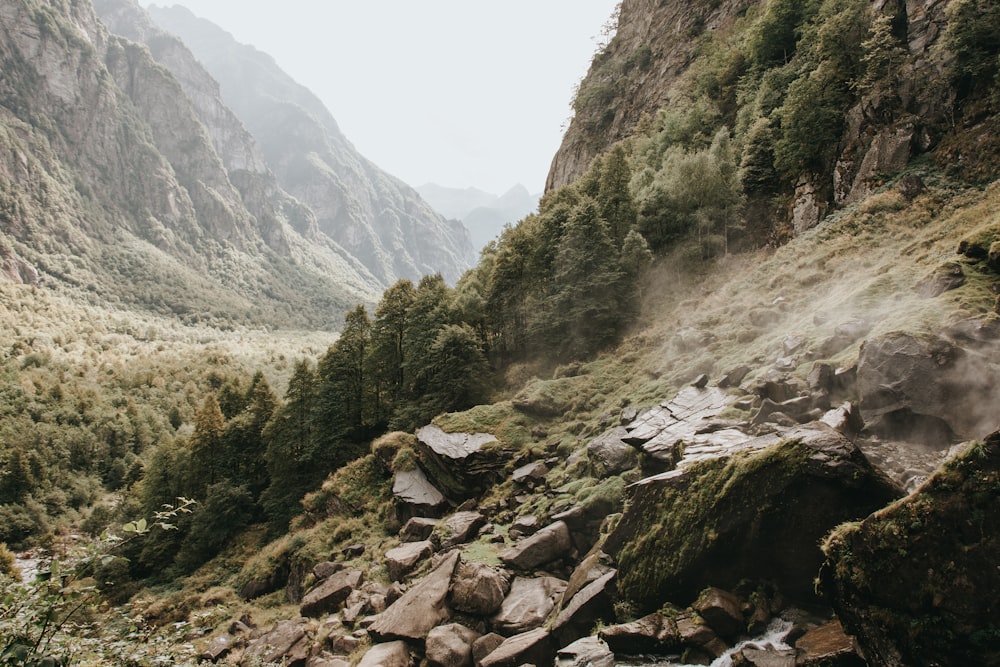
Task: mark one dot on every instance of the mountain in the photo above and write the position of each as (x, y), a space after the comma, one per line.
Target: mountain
(113, 187)
(484, 214)
(375, 216)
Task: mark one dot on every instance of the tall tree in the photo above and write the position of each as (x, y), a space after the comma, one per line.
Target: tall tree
(206, 445)
(342, 401)
(614, 197)
(388, 351)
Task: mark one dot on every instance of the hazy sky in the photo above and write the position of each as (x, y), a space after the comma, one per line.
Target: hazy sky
(455, 92)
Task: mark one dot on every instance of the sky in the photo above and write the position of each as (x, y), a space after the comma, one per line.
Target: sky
(461, 93)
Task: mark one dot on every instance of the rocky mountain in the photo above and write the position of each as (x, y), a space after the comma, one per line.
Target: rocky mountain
(484, 214)
(375, 216)
(113, 185)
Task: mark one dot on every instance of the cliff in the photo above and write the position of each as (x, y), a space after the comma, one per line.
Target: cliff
(377, 217)
(113, 184)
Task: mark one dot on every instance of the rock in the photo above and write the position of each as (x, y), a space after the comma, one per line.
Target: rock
(524, 526)
(700, 382)
(928, 561)
(594, 566)
(721, 610)
(692, 631)
(274, 581)
(353, 550)
(421, 608)
(549, 544)
(400, 561)
(645, 635)
(846, 419)
(390, 654)
(758, 515)
(331, 593)
(923, 388)
(827, 644)
(586, 652)
(820, 378)
(530, 473)
(456, 529)
(628, 415)
(477, 588)
(326, 568)
(450, 645)
(528, 604)
(768, 657)
(461, 464)
(845, 334)
(610, 455)
(417, 529)
(594, 603)
(734, 377)
(416, 496)
(944, 278)
(530, 648)
(325, 659)
(218, 647)
(345, 645)
(585, 520)
(485, 645)
(285, 643)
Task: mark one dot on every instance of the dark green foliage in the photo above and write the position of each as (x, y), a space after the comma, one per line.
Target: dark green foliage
(224, 512)
(974, 37)
(775, 37)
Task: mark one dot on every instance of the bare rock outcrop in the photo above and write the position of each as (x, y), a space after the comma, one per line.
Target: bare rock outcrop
(421, 608)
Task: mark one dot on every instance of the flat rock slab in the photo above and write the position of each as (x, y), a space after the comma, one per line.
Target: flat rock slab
(286, 641)
(421, 608)
(455, 446)
(586, 652)
(548, 544)
(528, 604)
(417, 529)
(823, 643)
(529, 648)
(458, 528)
(411, 487)
(450, 645)
(401, 560)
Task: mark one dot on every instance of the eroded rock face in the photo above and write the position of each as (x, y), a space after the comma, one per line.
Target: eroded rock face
(460, 463)
(756, 515)
(416, 496)
(930, 562)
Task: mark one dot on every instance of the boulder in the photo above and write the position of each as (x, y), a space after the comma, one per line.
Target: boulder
(477, 588)
(457, 529)
(734, 377)
(416, 496)
(924, 388)
(610, 455)
(528, 604)
(400, 561)
(286, 643)
(420, 609)
(218, 648)
(450, 645)
(928, 562)
(417, 529)
(524, 526)
(944, 278)
(650, 634)
(827, 644)
(324, 659)
(768, 656)
(756, 515)
(548, 544)
(390, 654)
(530, 474)
(330, 593)
(530, 648)
(721, 611)
(586, 652)
(592, 604)
(326, 568)
(485, 645)
(845, 334)
(461, 464)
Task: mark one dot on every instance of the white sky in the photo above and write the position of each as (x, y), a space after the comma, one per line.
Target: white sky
(456, 92)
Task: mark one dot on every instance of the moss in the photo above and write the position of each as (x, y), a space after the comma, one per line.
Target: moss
(405, 460)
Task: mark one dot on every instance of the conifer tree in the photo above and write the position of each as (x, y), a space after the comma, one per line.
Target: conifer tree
(617, 206)
(206, 444)
(388, 351)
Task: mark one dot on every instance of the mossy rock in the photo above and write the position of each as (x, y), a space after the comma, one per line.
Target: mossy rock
(758, 515)
(917, 583)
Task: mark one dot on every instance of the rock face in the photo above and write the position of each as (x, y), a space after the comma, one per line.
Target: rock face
(926, 389)
(909, 581)
(136, 191)
(416, 496)
(757, 515)
(376, 217)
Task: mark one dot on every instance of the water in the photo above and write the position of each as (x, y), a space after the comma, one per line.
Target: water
(773, 638)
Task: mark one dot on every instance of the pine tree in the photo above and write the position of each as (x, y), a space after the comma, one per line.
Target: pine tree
(388, 351)
(206, 444)
(614, 197)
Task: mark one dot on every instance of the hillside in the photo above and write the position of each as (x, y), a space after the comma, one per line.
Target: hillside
(726, 397)
(375, 216)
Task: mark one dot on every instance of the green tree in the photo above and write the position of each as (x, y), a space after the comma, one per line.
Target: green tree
(614, 196)
(343, 404)
(583, 313)
(973, 35)
(244, 446)
(206, 445)
(388, 352)
(16, 478)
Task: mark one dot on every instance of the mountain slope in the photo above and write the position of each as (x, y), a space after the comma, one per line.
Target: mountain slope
(375, 216)
(112, 184)
(484, 214)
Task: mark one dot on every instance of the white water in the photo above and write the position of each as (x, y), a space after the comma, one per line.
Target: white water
(773, 637)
